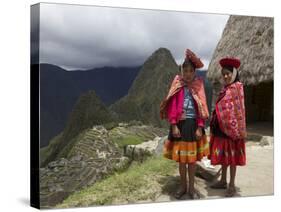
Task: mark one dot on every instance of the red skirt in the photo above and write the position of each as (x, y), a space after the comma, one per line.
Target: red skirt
(225, 151)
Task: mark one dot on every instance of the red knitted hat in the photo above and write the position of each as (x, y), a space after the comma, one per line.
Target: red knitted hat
(230, 61)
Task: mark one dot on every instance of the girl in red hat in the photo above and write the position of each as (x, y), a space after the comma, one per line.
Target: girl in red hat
(186, 109)
(228, 126)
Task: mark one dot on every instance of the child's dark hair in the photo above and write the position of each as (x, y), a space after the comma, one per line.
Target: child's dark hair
(186, 63)
(230, 68)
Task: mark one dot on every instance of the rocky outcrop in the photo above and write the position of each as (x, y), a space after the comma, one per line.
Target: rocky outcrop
(205, 170)
(148, 89)
(266, 141)
(141, 151)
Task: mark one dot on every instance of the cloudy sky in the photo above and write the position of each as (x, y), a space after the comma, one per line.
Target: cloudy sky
(83, 37)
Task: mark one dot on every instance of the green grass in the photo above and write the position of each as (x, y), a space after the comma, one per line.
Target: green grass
(123, 137)
(139, 182)
(128, 140)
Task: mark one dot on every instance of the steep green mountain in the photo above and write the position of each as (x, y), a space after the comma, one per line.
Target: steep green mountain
(148, 89)
(60, 90)
(88, 111)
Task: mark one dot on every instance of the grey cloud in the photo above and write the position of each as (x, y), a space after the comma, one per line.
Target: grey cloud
(84, 37)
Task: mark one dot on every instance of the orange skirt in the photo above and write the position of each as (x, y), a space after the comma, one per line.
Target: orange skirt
(186, 152)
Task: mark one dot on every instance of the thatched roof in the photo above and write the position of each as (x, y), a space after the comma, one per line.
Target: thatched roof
(251, 40)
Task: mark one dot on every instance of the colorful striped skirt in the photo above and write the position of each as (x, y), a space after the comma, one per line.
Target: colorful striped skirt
(225, 151)
(186, 149)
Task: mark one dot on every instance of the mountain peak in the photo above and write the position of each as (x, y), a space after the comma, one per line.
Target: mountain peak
(148, 89)
(159, 55)
(89, 110)
(162, 50)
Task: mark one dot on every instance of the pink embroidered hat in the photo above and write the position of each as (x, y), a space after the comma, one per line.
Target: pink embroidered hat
(189, 55)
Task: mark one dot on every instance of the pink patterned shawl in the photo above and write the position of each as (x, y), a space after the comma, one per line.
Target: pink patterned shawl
(230, 111)
(197, 91)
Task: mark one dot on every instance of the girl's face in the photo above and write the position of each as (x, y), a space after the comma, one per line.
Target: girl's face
(226, 75)
(188, 73)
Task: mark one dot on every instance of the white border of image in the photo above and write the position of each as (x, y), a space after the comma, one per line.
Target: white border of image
(15, 103)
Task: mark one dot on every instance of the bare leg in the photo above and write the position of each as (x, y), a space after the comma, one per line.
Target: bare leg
(232, 176)
(182, 170)
(191, 173)
(231, 188)
(182, 190)
(222, 183)
(223, 174)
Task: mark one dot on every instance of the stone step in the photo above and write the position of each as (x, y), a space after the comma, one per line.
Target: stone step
(91, 137)
(88, 146)
(253, 137)
(85, 149)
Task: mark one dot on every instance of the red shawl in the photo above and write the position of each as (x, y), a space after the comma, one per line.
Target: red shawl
(230, 111)
(197, 91)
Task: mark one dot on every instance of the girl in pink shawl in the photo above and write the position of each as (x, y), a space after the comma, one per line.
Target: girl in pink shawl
(228, 126)
(185, 107)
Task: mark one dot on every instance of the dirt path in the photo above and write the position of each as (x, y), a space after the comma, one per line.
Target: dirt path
(256, 178)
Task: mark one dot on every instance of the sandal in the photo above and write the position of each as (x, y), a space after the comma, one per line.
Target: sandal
(180, 193)
(231, 191)
(194, 195)
(219, 185)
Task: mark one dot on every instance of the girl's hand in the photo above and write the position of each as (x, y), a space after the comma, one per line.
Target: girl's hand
(198, 133)
(176, 131)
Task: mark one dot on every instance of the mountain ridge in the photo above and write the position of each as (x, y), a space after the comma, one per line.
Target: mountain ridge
(60, 90)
